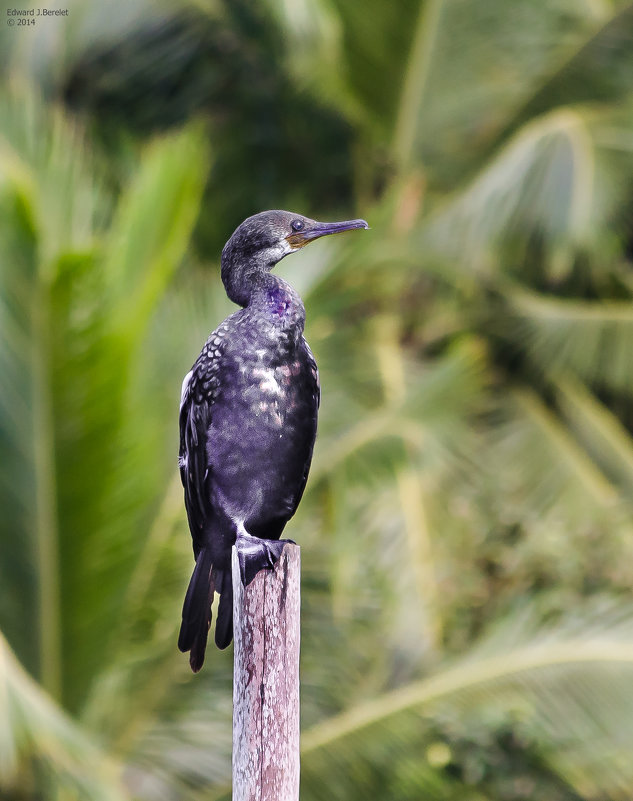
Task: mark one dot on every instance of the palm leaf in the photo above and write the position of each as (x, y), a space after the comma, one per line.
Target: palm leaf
(37, 734)
(76, 315)
(554, 471)
(565, 686)
(570, 682)
(599, 428)
(591, 339)
(150, 232)
(543, 180)
(41, 154)
(459, 104)
(576, 79)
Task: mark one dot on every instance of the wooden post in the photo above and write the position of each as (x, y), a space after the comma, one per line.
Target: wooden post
(266, 681)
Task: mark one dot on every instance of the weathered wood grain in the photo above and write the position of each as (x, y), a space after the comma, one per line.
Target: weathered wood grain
(266, 630)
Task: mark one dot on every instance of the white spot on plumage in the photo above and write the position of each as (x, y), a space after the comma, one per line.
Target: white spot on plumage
(272, 411)
(268, 381)
(184, 391)
(270, 384)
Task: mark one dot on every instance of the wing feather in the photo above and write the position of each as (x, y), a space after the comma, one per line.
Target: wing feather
(196, 405)
(316, 389)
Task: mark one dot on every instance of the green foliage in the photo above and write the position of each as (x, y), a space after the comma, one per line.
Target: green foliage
(467, 528)
(77, 313)
(36, 734)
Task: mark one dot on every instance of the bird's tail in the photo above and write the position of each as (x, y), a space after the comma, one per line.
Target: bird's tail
(196, 610)
(224, 623)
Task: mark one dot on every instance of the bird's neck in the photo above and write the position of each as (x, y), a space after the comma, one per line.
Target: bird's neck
(277, 301)
(242, 277)
(251, 285)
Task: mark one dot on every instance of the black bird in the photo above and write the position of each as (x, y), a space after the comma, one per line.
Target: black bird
(248, 419)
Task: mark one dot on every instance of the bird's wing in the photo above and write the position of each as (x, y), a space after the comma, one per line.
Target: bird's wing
(313, 373)
(199, 390)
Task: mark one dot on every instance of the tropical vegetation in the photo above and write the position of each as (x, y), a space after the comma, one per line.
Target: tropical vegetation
(467, 531)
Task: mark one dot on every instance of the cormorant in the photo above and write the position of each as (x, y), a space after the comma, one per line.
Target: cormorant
(248, 418)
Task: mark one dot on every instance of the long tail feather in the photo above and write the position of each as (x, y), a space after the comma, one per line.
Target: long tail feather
(224, 623)
(196, 611)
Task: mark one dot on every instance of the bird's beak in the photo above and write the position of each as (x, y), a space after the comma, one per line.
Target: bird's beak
(319, 229)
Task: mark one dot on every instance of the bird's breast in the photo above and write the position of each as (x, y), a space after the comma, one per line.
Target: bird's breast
(276, 392)
(263, 420)
(267, 391)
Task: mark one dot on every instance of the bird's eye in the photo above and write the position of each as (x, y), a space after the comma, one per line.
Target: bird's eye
(297, 225)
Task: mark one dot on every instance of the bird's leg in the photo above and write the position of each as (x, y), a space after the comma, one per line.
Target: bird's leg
(255, 554)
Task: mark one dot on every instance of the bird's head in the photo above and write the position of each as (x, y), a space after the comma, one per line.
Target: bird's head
(264, 239)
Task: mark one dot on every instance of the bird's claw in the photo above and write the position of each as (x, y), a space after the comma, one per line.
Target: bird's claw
(255, 554)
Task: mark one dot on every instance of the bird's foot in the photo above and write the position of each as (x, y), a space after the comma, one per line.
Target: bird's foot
(255, 554)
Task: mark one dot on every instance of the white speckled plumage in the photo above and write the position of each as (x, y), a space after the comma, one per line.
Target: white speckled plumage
(248, 419)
